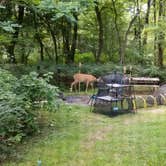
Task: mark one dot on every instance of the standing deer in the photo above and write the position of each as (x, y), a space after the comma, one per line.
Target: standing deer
(85, 78)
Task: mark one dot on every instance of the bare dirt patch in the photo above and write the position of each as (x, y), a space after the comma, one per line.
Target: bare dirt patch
(83, 99)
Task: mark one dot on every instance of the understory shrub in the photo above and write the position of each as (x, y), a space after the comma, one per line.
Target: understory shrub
(37, 91)
(84, 57)
(63, 73)
(20, 100)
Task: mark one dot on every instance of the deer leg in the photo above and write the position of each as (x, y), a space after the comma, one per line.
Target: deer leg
(87, 84)
(91, 85)
(73, 84)
(78, 87)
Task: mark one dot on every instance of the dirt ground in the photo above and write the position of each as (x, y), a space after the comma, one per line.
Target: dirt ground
(82, 99)
(85, 99)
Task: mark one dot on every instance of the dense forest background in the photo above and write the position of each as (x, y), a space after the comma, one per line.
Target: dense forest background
(63, 32)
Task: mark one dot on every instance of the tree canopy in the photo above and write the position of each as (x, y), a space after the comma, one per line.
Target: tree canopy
(63, 30)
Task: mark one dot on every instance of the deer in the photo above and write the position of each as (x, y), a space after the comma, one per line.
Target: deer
(85, 78)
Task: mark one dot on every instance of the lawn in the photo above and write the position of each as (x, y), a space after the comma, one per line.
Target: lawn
(75, 136)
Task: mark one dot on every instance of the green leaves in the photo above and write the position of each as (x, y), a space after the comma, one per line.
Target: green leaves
(59, 10)
(2, 7)
(19, 101)
(7, 80)
(37, 91)
(69, 18)
(8, 26)
(46, 5)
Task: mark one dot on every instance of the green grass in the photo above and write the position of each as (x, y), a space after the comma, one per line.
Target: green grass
(77, 137)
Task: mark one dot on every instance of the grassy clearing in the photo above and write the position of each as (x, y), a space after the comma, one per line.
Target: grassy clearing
(76, 136)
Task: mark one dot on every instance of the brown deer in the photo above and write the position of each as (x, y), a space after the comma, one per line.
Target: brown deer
(85, 78)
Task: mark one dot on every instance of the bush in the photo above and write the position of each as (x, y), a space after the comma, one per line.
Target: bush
(149, 71)
(7, 80)
(19, 101)
(37, 91)
(84, 58)
(63, 74)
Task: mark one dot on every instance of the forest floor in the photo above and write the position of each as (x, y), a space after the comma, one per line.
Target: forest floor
(79, 99)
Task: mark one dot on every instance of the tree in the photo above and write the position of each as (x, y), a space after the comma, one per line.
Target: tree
(124, 39)
(149, 2)
(100, 29)
(161, 34)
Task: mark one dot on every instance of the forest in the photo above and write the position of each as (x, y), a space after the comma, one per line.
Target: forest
(43, 43)
(63, 32)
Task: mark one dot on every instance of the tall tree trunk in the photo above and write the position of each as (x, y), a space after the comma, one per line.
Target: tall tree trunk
(48, 53)
(100, 26)
(24, 56)
(39, 39)
(160, 54)
(74, 39)
(135, 25)
(41, 48)
(155, 36)
(69, 51)
(139, 27)
(124, 42)
(117, 30)
(67, 42)
(55, 45)
(161, 35)
(12, 45)
(147, 21)
(24, 52)
(66, 32)
(53, 36)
